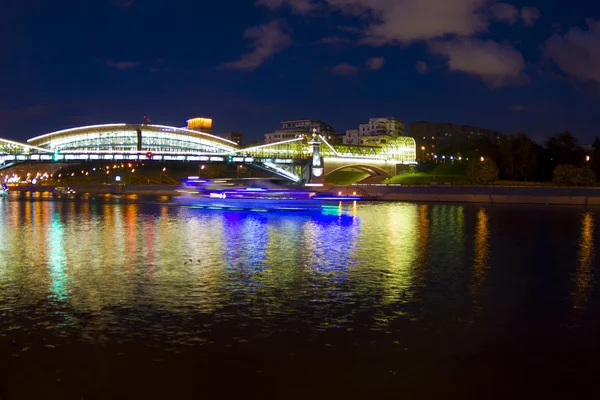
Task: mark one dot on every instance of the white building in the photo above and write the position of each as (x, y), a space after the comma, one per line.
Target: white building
(377, 131)
(293, 129)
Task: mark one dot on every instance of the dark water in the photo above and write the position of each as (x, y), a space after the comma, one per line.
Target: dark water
(129, 299)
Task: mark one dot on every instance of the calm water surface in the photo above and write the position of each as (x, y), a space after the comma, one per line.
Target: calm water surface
(126, 298)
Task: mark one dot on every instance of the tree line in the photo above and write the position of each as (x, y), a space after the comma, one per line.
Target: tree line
(519, 158)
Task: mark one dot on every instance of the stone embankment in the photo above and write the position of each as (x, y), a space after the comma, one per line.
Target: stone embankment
(481, 194)
(382, 192)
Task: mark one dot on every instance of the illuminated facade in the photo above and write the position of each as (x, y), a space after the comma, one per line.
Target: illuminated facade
(297, 128)
(200, 124)
(376, 132)
(134, 142)
(11, 147)
(401, 150)
(133, 138)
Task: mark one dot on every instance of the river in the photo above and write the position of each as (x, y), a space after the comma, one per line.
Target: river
(140, 298)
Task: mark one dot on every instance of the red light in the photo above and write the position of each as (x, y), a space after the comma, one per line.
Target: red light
(149, 154)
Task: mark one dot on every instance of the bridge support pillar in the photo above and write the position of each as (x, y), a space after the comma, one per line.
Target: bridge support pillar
(316, 172)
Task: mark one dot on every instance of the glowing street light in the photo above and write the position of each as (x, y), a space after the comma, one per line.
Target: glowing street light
(482, 159)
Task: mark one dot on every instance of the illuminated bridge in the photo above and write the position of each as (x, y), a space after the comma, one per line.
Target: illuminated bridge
(131, 142)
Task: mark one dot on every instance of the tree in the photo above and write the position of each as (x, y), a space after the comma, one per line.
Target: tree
(595, 157)
(564, 148)
(518, 157)
(482, 172)
(545, 165)
(566, 174)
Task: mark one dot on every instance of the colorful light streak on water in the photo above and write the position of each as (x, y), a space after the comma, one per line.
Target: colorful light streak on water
(392, 292)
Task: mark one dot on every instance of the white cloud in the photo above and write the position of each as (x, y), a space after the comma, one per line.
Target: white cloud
(495, 63)
(297, 6)
(449, 26)
(375, 63)
(577, 53)
(344, 69)
(530, 15)
(405, 21)
(422, 67)
(504, 12)
(267, 40)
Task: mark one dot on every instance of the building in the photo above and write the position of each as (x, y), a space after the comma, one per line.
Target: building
(131, 138)
(376, 132)
(434, 139)
(334, 138)
(233, 136)
(200, 124)
(293, 129)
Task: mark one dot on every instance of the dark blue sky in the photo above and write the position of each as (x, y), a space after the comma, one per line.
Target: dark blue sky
(531, 65)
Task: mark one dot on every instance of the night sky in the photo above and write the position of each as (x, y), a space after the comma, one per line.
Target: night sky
(531, 65)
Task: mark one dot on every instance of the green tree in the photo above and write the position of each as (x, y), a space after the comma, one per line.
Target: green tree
(564, 148)
(595, 157)
(518, 157)
(483, 172)
(566, 174)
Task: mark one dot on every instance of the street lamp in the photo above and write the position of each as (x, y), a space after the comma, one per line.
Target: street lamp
(161, 174)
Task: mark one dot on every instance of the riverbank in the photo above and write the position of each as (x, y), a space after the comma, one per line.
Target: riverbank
(141, 190)
(419, 194)
(483, 194)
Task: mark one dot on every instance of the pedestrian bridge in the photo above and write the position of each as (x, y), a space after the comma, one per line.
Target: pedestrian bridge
(158, 143)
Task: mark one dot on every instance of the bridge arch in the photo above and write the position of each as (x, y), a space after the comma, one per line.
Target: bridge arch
(370, 169)
(131, 138)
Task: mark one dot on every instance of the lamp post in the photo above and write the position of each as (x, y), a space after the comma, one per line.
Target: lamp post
(161, 174)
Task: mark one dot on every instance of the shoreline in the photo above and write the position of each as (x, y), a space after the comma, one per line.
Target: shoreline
(578, 196)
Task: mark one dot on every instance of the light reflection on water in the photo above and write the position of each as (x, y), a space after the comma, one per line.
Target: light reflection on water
(481, 254)
(83, 269)
(583, 278)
